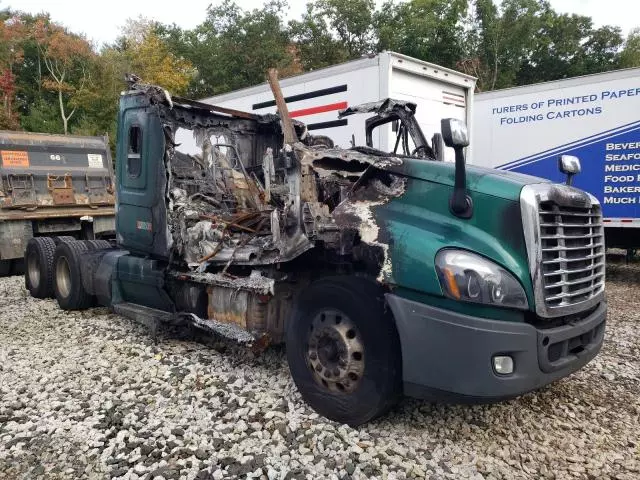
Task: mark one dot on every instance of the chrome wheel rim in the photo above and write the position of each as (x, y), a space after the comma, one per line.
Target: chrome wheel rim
(33, 269)
(63, 277)
(335, 351)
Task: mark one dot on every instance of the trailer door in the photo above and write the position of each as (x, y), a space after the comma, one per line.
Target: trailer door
(435, 99)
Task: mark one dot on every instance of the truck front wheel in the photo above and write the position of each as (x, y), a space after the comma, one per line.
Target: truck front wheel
(67, 284)
(343, 350)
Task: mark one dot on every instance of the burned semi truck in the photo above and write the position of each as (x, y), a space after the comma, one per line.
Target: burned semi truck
(52, 185)
(384, 272)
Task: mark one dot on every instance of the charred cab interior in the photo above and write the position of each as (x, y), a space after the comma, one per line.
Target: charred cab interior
(245, 198)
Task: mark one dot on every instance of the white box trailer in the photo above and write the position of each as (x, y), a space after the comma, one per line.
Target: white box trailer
(594, 117)
(315, 98)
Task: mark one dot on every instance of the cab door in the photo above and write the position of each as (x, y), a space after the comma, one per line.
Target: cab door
(141, 210)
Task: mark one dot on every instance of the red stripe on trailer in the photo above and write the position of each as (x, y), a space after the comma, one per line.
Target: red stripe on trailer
(626, 220)
(606, 220)
(320, 109)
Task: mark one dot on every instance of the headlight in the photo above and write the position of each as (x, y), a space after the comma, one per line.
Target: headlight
(469, 277)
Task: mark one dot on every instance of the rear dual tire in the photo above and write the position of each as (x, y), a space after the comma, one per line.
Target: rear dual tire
(38, 264)
(67, 285)
(38, 261)
(97, 244)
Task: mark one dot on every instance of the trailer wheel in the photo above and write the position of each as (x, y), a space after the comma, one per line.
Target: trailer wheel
(343, 350)
(67, 284)
(38, 260)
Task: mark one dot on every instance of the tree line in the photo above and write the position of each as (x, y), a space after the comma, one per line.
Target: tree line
(55, 81)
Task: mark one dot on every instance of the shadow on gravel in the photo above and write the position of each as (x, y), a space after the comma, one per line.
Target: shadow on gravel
(626, 272)
(234, 351)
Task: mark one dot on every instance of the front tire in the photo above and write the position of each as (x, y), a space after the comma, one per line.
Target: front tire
(343, 350)
(67, 285)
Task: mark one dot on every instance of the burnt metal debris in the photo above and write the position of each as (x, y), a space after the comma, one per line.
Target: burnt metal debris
(247, 195)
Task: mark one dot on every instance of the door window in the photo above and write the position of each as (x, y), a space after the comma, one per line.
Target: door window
(134, 152)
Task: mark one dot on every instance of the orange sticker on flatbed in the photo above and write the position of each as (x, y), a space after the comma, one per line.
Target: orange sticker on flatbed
(12, 158)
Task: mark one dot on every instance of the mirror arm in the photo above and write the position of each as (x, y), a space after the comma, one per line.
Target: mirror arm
(570, 178)
(460, 202)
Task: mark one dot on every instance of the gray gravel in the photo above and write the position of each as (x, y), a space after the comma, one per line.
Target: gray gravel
(89, 395)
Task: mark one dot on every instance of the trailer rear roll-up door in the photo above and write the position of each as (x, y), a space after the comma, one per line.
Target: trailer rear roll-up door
(436, 100)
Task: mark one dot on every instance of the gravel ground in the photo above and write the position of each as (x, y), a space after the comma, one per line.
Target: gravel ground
(89, 395)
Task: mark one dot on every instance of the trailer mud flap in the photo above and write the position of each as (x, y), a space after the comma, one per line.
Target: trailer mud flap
(14, 236)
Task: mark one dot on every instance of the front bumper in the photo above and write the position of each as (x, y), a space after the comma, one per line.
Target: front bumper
(448, 356)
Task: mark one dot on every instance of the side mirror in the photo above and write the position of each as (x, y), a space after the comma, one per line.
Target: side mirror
(454, 133)
(569, 165)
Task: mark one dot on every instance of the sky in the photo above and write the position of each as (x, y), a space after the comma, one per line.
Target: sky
(101, 21)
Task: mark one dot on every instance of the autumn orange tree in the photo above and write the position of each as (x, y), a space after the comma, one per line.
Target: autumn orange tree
(67, 59)
(12, 32)
(149, 57)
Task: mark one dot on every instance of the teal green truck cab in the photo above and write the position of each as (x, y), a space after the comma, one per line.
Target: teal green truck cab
(384, 273)
(558, 326)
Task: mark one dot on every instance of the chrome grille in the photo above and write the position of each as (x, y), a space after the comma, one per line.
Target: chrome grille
(565, 244)
(572, 244)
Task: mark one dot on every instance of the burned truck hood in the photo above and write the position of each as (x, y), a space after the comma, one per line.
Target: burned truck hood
(497, 183)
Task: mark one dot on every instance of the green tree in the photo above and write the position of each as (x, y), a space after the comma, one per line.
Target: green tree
(66, 57)
(317, 47)
(149, 57)
(526, 41)
(568, 46)
(138, 50)
(432, 30)
(233, 48)
(501, 39)
(630, 55)
(351, 21)
(99, 101)
(21, 74)
(43, 117)
(602, 49)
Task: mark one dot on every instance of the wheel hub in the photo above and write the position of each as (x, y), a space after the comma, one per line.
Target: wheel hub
(33, 269)
(335, 351)
(63, 277)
